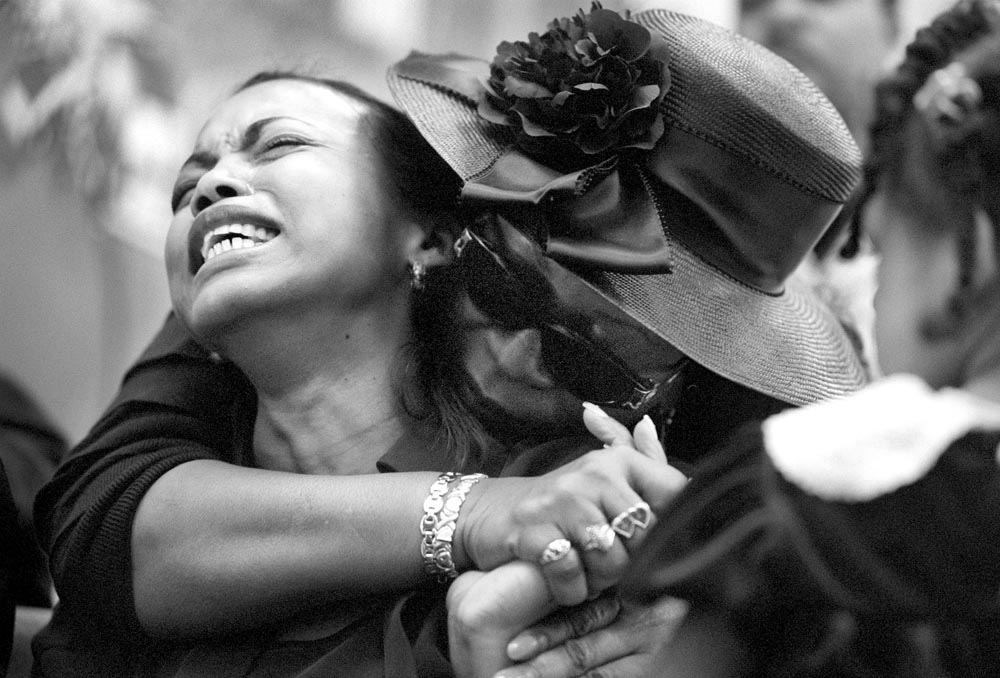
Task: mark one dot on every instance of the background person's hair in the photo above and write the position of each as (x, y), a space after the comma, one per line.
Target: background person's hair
(429, 188)
(966, 163)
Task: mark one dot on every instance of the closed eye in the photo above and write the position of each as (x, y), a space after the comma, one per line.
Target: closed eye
(181, 194)
(283, 141)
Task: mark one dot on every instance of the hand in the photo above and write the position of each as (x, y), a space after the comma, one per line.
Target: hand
(601, 635)
(487, 609)
(517, 518)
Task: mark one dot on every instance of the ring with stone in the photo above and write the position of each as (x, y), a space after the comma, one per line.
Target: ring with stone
(599, 537)
(556, 550)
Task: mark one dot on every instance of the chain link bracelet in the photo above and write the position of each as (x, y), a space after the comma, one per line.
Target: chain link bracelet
(438, 524)
(444, 531)
(432, 507)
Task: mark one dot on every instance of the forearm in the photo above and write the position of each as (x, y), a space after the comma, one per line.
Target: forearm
(222, 548)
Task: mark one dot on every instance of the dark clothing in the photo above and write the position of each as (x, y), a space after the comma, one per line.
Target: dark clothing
(177, 404)
(877, 579)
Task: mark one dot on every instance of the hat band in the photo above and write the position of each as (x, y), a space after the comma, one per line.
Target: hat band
(702, 195)
(760, 242)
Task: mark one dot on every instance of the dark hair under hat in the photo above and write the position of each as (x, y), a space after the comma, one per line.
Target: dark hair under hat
(684, 172)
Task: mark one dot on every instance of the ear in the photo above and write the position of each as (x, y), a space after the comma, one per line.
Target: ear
(432, 247)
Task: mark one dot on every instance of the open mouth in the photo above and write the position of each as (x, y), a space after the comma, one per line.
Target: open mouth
(234, 237)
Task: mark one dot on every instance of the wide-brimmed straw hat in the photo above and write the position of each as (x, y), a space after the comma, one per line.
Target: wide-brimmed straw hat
(684, 171)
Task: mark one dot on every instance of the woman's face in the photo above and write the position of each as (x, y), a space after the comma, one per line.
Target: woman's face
(506, 370)
(278, 211)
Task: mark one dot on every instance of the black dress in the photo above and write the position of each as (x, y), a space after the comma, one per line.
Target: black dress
(859, 537)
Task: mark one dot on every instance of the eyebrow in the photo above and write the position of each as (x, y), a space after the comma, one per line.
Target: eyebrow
(205, 159)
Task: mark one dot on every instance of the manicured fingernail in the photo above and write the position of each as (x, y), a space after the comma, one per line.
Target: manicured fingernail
(523, 647)
(514, 672)
(594, 408)
(647, 424)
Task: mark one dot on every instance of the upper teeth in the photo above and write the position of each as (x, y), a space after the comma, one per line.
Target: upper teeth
(233, 237)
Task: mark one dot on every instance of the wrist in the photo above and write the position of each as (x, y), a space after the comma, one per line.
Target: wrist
(463, 543)
(438, 527)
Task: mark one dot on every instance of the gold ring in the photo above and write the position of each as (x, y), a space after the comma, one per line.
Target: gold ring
(634, 517)
(556, 550)
(599, 538)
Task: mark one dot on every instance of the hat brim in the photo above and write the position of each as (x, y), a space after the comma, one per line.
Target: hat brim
(789, 346)
(786, 345)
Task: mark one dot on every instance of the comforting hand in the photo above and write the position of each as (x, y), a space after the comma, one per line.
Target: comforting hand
(487, 612)
(600, 637)
(579, 522)
(487, 609)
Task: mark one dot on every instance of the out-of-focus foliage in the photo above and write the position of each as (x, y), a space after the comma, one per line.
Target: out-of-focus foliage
(74, 77)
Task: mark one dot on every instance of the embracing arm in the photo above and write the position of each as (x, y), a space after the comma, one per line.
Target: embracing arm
(167, 413)
(218, 547)
(150, 525)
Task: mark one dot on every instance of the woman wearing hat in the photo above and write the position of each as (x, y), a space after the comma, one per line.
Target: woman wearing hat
(317, 291)
(661, 179)
(859, 537)
(592, 294)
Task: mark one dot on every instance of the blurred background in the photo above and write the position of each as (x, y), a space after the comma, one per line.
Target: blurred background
(100, 101)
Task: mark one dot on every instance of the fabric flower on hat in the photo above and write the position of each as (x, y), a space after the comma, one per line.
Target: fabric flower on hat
(588, 87)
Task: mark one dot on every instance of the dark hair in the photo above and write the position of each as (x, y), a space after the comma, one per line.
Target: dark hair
(964, 161)
(429, 188)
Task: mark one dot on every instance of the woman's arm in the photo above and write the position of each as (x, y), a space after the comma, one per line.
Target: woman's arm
(148, 523)
(147, 519)
(218, 547)
(176, 404)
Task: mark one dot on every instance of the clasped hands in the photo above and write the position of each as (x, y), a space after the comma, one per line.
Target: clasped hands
(547, 607)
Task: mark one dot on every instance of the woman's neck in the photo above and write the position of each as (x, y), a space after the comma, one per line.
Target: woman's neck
(328, 393)
(326, 427)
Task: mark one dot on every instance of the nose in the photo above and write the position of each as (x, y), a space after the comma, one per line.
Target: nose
(216, 184)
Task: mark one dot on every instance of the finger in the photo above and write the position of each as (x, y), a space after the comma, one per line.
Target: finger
(623, 667)
(565, 579)
(630, 646)
(560, 564)
(657, 483)
(576, 656)
(462, 586)
(604, 428)
(604, 556)
(568, 623)
(647, 440)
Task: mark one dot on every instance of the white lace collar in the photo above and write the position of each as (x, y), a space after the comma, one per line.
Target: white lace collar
(875, 441)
